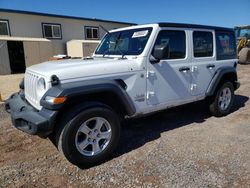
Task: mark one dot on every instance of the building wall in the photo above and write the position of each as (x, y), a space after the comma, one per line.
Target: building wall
(36, 52)
(4, 58)
(26, 25)
(81, 48)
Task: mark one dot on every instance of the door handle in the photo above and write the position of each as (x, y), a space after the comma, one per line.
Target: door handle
(210, 66)
(184, 69)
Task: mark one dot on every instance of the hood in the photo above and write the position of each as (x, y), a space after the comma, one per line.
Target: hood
(69, 69)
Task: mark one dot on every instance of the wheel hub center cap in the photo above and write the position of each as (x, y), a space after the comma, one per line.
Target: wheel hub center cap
(93, 136)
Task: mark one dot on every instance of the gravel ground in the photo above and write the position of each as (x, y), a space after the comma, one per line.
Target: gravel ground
(182, 147)
(9, 84)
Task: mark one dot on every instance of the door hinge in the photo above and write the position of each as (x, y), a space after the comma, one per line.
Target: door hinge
(150, 94)
(193, 87)
(150, 74)
(194, 68)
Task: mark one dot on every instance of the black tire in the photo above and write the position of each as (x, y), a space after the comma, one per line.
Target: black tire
(244, 56)
(66, 134)
(214, 107)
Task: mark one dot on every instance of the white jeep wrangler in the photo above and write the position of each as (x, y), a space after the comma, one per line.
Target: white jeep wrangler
(134, 71)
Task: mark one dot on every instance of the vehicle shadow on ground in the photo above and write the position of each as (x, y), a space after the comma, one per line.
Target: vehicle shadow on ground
(136, 133)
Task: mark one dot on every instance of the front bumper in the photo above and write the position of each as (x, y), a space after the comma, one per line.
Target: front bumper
(27, 119)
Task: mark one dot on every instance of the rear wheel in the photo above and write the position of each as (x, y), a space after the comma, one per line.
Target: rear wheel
(90, 136)
(222, 101)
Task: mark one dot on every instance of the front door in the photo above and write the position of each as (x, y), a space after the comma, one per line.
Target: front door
(168, 81)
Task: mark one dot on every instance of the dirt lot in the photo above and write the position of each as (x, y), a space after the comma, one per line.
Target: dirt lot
(182, 147)
(9, 84)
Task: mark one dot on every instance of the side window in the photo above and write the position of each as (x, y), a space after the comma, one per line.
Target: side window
(225, 45)
(4, 27)
(176, 40)
(91, 32)
(203, 44)
(52, 31)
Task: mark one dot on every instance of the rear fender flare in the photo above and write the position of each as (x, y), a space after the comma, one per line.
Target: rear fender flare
(219, 74)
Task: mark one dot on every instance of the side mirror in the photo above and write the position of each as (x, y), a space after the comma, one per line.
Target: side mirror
(160, 52)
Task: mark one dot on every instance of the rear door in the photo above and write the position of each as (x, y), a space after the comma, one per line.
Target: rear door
(203, 65)
(168, 81)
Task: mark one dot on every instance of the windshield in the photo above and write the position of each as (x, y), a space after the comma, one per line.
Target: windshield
(127, 42)
(244, 32)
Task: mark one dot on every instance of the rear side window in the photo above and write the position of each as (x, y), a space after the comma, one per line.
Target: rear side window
(225, 45)
(203, 44)
(176, 41)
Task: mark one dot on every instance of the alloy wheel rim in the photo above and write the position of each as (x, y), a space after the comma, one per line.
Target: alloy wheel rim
(225, 98)
(93, 136)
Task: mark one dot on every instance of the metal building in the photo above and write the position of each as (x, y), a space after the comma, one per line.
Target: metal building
(28, 38)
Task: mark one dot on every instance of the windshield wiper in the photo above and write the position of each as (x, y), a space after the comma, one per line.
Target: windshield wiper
(116, 42)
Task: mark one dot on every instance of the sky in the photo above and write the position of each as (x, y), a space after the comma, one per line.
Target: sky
(227, 13)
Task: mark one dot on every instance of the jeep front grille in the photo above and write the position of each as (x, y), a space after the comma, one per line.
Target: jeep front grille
(30, 84)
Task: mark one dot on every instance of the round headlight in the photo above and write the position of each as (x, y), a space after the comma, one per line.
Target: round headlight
(41, 87)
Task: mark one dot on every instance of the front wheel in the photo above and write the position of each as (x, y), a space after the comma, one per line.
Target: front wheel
(223, 100)
(90, 137)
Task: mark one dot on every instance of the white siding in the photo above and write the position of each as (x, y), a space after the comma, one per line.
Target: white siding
(37, 52)
(27, 25)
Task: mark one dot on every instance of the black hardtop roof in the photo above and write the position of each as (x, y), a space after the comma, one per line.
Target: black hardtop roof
(196, 26)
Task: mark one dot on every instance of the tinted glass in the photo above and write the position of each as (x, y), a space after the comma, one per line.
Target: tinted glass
(176, 41)
(129, 42)
(95, 33)
(203, 44)
(91, 33)
(225, 45)
(3, 28)
(47, 31)
(56, 31)
(88, 33)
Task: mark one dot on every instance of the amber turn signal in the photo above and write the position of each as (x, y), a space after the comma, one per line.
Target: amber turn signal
(55, 100)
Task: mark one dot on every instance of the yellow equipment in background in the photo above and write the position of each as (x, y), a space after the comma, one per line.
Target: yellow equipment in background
(243, 43)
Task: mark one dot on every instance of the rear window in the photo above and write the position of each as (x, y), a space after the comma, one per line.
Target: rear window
(225, 45)
(203, 44)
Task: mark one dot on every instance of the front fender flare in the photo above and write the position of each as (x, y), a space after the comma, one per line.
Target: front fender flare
(78, 89)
